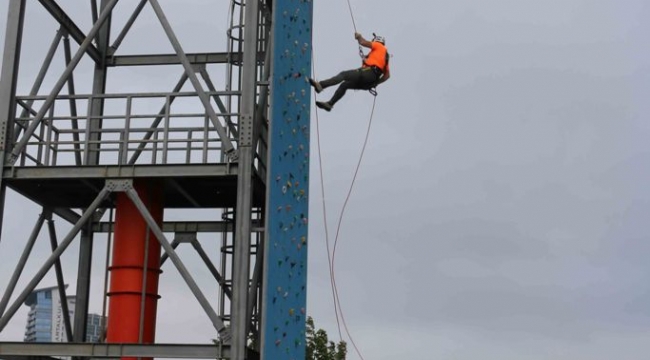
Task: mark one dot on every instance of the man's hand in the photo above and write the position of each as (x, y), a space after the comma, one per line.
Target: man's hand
(363, 42)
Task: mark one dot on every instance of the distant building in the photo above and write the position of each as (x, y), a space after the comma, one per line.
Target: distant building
(94, 327)
(45, 318)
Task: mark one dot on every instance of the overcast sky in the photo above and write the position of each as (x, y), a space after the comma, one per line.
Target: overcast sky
(501, 209)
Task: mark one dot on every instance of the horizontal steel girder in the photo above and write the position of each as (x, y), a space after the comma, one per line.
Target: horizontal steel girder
(172, 59)
(102, 350)
(119, 172)
(187, 226)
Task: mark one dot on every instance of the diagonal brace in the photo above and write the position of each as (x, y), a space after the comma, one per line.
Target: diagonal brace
(127, 26)
(52, 259)
(206, 259)
(127, 186)
(21, 262)
(66, 22)
(217, 99)
(157, 121)
(205, 99)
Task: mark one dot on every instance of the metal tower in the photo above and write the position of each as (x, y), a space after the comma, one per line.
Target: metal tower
(230, 139)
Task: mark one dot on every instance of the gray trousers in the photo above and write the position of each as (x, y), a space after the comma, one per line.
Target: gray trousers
(357, 79)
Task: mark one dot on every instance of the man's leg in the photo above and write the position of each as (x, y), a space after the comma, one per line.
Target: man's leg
(340, 91)
(348, 75)
(350, 79)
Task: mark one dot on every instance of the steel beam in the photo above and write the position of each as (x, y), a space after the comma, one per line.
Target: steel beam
(82, 300)
(179, 226)
(8, 81)
(260, 131)
(220, 104)
(213, 269)
(66, 214)
(119, 172)
(94, 10)
(164, 257)
(184, 193)
(94, 126)
(59, 15)
(243, 217)
(172, 59)
(103, 350)
(99, 88)
(127, 26)
(125, 95)
(73, 104)
(54, 243)
(256, 280)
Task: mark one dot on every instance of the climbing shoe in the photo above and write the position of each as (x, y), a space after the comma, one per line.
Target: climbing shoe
(317, 86)
(324, 105)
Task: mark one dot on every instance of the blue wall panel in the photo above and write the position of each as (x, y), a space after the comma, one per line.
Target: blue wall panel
(285, 283)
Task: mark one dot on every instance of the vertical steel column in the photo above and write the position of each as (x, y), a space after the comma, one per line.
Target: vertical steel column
(91, 158)
(73, 103)
(54, 243)
(99, 88)
(8, 81)
(83, 282)
(243, 218)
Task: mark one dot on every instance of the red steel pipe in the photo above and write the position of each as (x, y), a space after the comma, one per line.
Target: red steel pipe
(128, 268)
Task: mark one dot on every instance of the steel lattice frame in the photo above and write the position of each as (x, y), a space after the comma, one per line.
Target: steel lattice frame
(71, 161)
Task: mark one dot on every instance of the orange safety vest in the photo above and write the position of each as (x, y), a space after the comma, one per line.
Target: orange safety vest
(378, 57)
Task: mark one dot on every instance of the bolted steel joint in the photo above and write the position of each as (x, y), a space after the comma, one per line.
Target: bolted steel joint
(119, 185)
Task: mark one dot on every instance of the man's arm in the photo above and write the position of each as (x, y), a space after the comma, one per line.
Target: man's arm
(385, 76)
(363, 42)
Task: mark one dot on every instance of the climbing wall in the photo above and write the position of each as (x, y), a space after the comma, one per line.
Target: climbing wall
(285, 292)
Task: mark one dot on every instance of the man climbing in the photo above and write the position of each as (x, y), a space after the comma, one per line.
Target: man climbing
(372, 72)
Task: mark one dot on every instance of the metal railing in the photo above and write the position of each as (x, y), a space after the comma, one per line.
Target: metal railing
(130, 131)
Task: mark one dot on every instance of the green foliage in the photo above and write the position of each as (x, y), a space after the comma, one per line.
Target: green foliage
(319, 347)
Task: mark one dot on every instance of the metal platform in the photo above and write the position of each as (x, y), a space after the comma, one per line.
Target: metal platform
(185, 186)
(47, 351)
